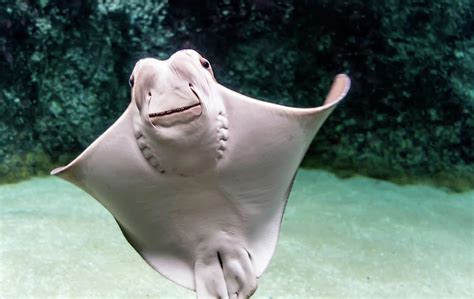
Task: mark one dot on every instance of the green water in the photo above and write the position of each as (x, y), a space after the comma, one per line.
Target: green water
(340, 237)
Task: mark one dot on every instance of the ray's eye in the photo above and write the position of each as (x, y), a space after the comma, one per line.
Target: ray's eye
(131, 81)
(205, 64)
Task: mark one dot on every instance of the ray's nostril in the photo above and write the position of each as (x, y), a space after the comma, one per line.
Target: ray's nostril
(190, 85)
(149, 94)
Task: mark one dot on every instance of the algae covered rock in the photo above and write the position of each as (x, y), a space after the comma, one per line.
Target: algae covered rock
(410, 111)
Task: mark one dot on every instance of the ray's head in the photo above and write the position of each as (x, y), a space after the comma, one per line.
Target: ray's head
(172, 92)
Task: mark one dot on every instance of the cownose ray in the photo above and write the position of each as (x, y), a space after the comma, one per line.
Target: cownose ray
(196, 175)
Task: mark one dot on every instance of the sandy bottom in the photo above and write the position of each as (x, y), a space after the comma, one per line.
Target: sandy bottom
(355, 237)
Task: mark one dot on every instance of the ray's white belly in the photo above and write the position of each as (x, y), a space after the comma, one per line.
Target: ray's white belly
(181, 214)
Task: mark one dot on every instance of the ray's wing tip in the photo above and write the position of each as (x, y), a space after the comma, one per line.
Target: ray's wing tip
(58, 170)
(339, 89)
(347, 83)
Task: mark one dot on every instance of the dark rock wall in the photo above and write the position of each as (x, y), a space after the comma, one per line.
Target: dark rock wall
(65, 66)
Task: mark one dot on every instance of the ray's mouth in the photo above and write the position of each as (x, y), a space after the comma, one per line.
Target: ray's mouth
(179, 109)
(172, 111)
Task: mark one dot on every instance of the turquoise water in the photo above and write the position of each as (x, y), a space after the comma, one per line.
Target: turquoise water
(340, 237)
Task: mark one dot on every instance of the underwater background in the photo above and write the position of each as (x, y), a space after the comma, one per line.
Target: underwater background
(385, 206)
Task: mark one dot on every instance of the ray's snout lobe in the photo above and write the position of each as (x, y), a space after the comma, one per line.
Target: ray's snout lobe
(163, 91)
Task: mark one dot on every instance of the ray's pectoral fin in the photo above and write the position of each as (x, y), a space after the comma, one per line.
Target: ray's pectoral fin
(265, 145)
(265, 124)
(224, 270)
